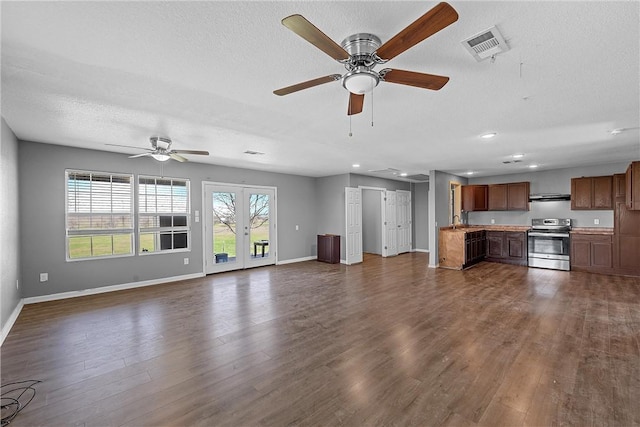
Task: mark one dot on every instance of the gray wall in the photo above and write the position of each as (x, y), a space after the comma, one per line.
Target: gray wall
(42, 208)
(10, 224)
(330, 207)
(372, 221)
(552, 181)
(420, 198)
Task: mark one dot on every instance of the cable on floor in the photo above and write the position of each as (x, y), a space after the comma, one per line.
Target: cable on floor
(14, 397)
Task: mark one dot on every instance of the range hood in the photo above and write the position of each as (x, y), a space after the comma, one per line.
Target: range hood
(548, 197)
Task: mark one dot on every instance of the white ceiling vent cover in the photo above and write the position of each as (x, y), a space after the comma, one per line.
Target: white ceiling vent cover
(485, 44)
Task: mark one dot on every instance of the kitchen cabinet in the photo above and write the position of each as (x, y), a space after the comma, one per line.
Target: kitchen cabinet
(329, 248)
(475, 247)
(518, 196)
(592, 193)
(592, 252)
(498, 197)
(507, 246)
(632, 195)
(474, 198)
(511, 196)
(626, 232)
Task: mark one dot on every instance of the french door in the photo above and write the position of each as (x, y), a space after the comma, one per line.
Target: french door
(239, 229)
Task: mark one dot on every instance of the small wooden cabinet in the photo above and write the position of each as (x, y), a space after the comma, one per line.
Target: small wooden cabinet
(592, 193)
(498, 197)
(329, 248)
(507, 247)
(632, 194)
(474, 198)
(592, 252)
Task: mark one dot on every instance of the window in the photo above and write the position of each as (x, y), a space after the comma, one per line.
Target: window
(99, 214)
(163, 214)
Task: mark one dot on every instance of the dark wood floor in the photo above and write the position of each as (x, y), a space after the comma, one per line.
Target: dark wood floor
(386, 342)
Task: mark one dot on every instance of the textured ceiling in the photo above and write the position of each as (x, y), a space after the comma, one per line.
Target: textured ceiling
(88, 74)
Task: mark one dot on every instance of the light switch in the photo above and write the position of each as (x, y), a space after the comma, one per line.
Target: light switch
(596, 221)
(44, 277)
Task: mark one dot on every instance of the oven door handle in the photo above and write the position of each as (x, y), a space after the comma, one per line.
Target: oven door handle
(538, 234)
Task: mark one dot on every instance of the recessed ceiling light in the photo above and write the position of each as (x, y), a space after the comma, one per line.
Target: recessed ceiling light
(488, 135)
(533, 166)
(470, 173)
(518, 156)
(355, 165)
(403, 174)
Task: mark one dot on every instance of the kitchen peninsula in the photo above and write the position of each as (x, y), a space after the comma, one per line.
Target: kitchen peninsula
(463, 246)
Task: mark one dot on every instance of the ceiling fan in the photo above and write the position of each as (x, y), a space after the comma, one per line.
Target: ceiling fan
(161, 150)
(361, 52)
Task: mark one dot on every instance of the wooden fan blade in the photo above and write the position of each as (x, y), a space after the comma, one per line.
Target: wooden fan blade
(411, 78)
(305, 29)
(306, 85)
(441, 16)
(355, 104)
(198, 152)
(139, 155)
(177, 157)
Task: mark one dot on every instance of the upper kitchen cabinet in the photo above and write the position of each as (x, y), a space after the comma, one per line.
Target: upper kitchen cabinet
(518, 197)
(512, 196)
(592, 193)
(632, 194)
(474, 198)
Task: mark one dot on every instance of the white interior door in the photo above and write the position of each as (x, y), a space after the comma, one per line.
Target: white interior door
(353, 244)
(403, 209)
(239, 227)
(389, 223)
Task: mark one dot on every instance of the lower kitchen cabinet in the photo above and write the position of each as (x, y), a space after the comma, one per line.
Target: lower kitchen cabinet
(507, 246)
(475, 247)
(592, 252)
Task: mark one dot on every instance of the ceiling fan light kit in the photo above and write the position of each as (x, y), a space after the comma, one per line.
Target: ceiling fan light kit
(361, 52)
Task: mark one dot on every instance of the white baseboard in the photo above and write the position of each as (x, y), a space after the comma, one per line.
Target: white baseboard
(113, 288)
(291, 261)
(426, 251)
(12, 319)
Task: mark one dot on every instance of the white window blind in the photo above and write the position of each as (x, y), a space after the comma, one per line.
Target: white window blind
(99, 214)
(163, 214)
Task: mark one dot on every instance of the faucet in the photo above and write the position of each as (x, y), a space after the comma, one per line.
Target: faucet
(454, 220)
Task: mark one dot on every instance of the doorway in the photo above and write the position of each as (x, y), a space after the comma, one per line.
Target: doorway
(239, 229)
(455, 203)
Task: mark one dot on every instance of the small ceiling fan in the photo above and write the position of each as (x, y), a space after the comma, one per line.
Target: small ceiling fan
(161, 150)
(361, 52)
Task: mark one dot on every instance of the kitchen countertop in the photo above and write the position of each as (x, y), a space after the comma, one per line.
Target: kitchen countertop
(493, 227)
(592, 230)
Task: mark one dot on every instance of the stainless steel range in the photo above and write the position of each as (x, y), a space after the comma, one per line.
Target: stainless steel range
(549, 243)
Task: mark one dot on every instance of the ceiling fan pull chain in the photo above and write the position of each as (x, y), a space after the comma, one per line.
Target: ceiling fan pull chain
(371, 109)
(350, 134)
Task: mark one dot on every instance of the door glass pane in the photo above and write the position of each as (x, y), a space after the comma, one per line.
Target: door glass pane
(258, 226)
(224, 227)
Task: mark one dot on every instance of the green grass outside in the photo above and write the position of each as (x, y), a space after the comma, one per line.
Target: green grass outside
(120, 244)
(102, 245)
(225, 241)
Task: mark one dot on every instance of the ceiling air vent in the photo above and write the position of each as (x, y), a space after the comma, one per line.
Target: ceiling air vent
(387, 170)
(485, 44)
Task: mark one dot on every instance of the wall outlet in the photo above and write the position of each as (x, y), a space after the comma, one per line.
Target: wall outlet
(596, 221)
(44, 277)
(493, 221)
(297, 227)
(186, 261)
